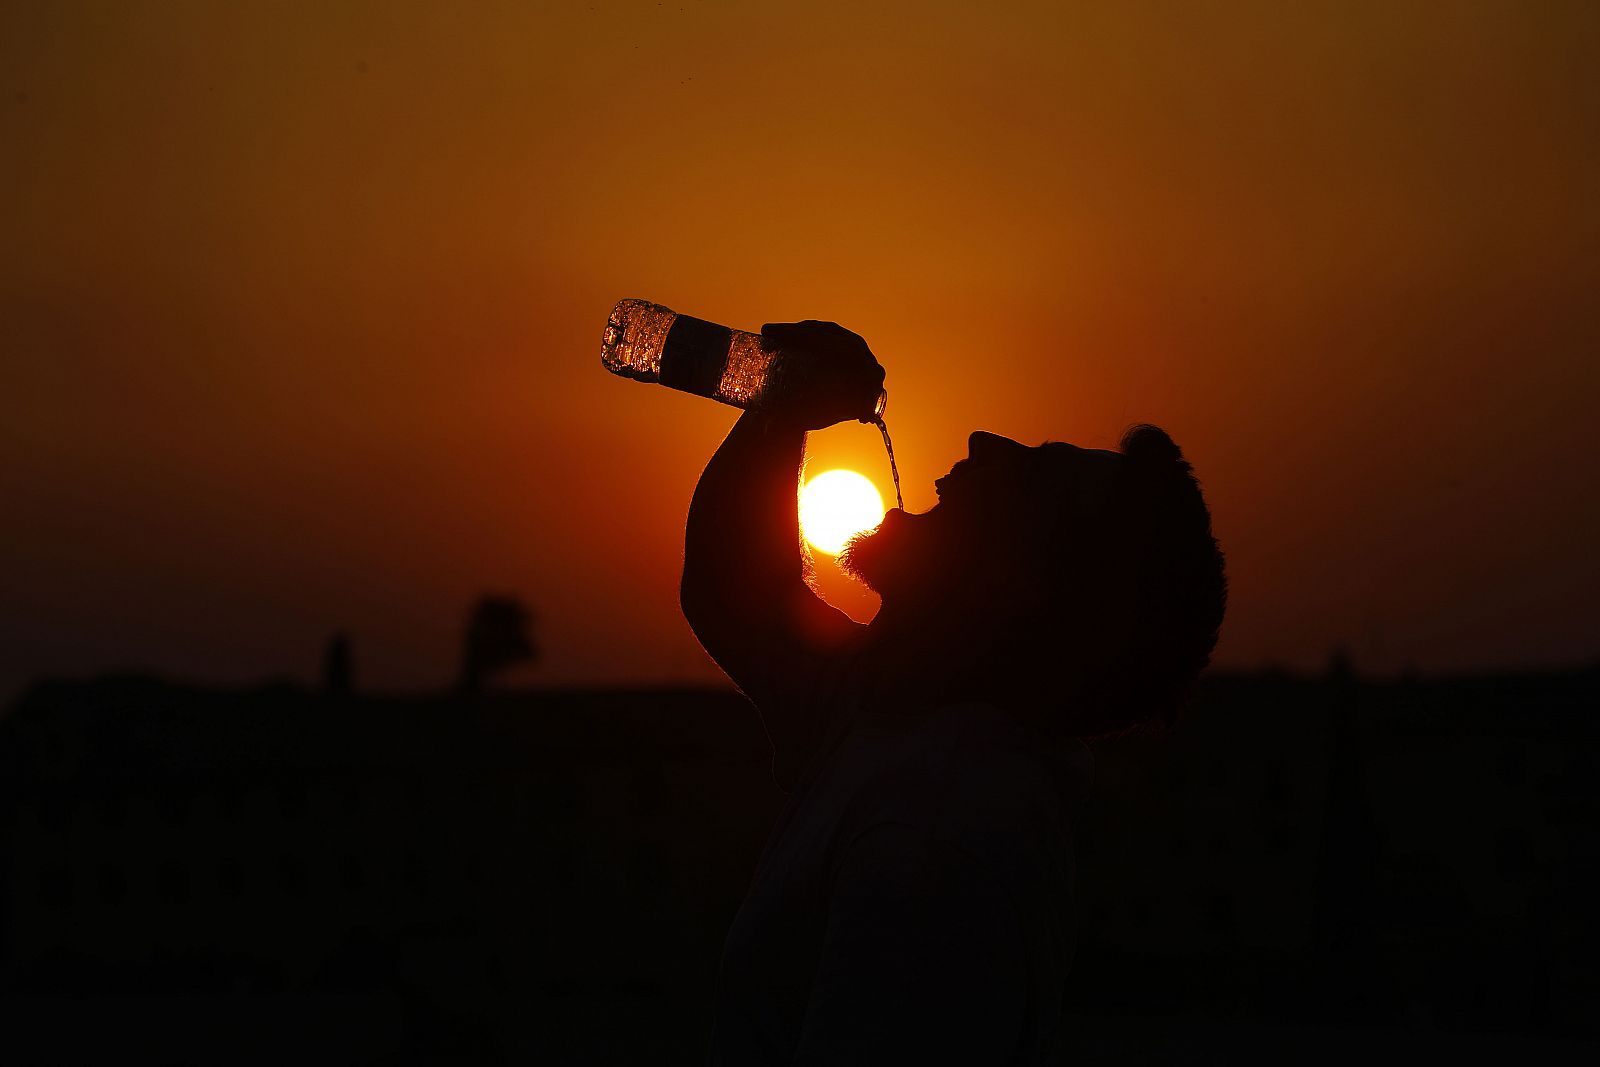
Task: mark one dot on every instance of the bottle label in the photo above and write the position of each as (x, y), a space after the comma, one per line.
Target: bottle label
(695, 355)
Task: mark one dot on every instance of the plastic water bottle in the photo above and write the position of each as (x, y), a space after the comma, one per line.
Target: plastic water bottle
(651, 343)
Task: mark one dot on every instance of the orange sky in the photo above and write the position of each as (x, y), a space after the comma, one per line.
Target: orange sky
(300, 308)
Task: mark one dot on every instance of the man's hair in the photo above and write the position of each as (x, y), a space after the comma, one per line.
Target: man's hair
(1183, 590)
(1144, 593)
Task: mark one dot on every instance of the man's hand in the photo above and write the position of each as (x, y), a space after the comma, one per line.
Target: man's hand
(832, 376)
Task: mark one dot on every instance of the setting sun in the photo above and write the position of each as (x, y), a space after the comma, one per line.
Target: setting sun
(835, 506)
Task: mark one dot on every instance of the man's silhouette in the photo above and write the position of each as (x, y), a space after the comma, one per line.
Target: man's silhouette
(913, 904)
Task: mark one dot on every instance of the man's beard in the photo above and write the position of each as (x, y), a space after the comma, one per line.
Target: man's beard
(893, 560)
(865, 558)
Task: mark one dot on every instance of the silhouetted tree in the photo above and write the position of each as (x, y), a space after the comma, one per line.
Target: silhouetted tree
(497, 636)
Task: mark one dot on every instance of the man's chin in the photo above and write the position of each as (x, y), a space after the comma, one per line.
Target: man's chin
(869, 557)
(853, 559)
(860, 559)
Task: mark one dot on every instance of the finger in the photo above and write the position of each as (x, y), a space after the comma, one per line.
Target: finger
(810, 333)
(821, 337)
(832, 332)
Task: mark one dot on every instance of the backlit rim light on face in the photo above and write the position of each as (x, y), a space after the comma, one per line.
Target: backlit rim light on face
(835, 506)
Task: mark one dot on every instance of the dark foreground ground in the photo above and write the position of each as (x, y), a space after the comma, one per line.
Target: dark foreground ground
(1310, 871)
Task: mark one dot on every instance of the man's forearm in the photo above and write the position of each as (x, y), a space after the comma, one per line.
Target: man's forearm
(742, 541)
(744, 589)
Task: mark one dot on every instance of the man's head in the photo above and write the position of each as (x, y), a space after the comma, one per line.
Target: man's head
(1078, 580)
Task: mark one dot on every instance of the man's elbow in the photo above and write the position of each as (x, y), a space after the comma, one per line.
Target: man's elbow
(691, 600)
(725, 619)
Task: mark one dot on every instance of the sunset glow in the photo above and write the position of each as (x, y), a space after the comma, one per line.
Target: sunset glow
(298, 296)
(837, 505)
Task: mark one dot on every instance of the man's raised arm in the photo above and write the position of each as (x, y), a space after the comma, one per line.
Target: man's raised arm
(744, 590)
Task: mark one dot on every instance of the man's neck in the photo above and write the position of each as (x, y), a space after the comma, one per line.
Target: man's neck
(923, 655)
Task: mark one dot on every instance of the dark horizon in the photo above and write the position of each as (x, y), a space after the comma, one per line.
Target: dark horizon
(524, 681)
(529, 875)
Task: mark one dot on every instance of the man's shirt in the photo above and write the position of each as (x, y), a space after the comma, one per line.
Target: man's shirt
(913, 904)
